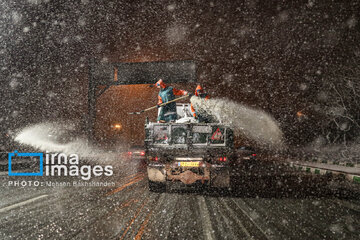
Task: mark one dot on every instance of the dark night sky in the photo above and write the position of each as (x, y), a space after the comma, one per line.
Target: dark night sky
(274, 55)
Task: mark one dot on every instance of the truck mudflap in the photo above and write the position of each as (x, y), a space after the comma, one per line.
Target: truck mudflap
(214, 175)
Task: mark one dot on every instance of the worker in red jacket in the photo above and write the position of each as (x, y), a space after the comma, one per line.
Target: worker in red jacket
(167, 112)
(199, 92)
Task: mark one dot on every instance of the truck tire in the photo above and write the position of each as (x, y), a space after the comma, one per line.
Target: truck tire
(157, 187)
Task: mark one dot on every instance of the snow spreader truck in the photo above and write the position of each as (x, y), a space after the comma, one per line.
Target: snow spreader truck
(186, 153)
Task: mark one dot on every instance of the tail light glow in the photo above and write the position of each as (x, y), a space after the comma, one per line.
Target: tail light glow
(129, 153)
(223, 159)
(254, 154)
(142, 153)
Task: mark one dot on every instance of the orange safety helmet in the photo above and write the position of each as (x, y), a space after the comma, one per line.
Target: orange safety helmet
(160, 84)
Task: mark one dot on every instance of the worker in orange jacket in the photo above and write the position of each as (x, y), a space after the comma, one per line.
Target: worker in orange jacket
(199, 92)
(167, 93)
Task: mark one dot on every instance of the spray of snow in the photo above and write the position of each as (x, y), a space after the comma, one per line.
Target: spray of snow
(246, 121)
(62, 138)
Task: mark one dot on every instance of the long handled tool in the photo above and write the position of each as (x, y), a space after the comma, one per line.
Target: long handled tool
(163, 104)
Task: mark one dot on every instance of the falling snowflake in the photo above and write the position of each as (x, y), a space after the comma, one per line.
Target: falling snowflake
(171, 7)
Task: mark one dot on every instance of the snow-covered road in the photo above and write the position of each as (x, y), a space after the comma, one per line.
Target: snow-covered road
(265, 204)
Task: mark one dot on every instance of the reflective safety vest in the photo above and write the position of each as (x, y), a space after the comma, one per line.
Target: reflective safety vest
(166, 95)
(201, 95)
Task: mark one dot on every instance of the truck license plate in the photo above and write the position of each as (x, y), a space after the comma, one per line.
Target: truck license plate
(189, 164)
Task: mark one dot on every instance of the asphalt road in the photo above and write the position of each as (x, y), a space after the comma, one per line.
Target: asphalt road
(267, 202)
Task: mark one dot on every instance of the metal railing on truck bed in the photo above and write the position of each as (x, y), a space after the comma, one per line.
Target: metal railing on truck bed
(188, 135)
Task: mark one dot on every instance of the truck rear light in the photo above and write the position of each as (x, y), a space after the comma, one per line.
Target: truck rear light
(142, 153)
(254, 154)
(155, 159)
